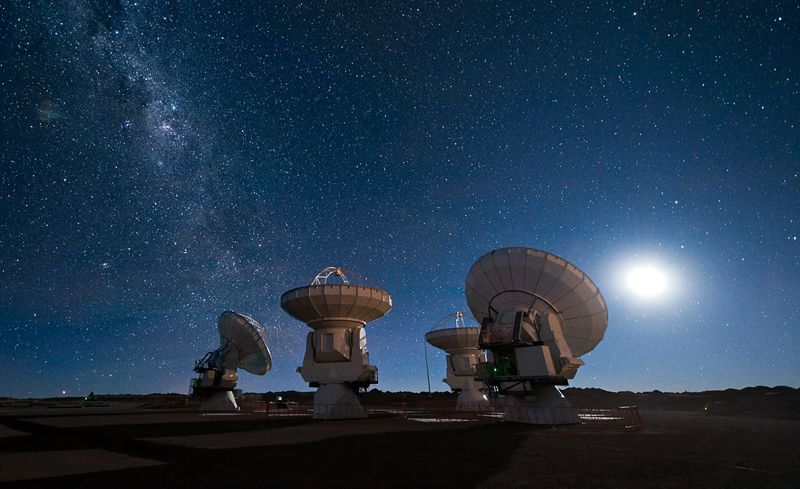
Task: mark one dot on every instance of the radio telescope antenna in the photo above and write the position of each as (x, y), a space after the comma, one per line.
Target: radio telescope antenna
(336, 359)
(538, 314)
(242, 345)
(457, 334)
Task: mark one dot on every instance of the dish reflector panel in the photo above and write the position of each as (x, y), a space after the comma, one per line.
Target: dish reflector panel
(457, 331)
(326, 304)
(451, 339)
(530, 279)
(246, 335)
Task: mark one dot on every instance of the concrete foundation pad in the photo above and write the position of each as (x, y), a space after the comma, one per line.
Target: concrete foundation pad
(6, 432)
(18, 466)
(126, 419)
(290, 435)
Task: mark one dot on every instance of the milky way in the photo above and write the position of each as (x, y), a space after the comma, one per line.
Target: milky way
(163, 162)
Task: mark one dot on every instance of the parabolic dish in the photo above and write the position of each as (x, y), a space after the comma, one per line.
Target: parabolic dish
(336, 305)
(454, 338)
(246, 335)
(457, 331)
(526, 278)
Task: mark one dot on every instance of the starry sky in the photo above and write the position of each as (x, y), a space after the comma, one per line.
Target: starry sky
(164, 161)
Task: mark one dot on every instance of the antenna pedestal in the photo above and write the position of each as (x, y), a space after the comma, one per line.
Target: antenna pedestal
(339, 368)
(472, 400)
(546, 406)
(337, 401)
(215, 387)
(220, 401)
(461, 379)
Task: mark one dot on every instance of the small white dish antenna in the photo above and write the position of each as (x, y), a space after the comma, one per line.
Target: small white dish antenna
(455, 331)
(457, 334)
(242, 345)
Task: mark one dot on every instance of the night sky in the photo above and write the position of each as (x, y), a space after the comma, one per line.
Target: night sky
(163, 162)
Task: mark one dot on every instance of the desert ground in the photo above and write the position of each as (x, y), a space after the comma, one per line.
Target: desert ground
(165, 441)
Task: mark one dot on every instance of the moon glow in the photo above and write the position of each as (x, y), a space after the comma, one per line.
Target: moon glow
(647, 281)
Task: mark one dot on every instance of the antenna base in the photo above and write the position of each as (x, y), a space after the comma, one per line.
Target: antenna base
(545, 405)
(472, 400)
(337, 401)
(220, 401)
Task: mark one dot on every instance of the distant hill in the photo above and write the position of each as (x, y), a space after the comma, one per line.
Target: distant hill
(763, 402)
(768, 402)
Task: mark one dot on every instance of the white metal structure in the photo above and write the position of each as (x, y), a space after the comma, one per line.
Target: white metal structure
(538, 314)
(242, 345)
(460, 340)
(323, 276)
(336, 359)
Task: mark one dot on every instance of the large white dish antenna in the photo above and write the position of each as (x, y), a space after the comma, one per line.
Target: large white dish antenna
(242, 338)
(534, 280)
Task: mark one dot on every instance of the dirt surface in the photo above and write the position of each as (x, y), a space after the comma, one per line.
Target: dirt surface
(150, 448)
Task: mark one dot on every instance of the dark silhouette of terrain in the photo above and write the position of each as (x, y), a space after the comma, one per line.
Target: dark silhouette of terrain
(764, 402)
(730, 438)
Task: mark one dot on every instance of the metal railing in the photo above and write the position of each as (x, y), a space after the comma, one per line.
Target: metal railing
(624, 417)
(620, 418)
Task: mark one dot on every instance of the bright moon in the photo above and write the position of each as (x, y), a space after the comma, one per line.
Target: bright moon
(647, 281)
